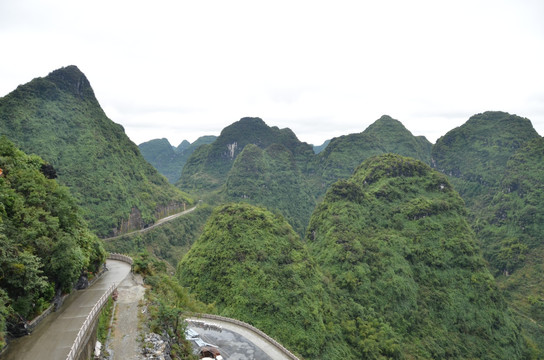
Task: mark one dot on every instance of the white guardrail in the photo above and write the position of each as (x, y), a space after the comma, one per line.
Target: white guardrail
(95, 311)
(88, 322)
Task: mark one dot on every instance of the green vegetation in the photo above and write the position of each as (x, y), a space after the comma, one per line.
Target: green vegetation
(407, 278)
(252, 266)
(104, 321)
(44, 243)
(169, 161)
(59, 118)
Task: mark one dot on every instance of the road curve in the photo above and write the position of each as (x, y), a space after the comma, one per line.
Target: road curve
(53, 338)
(266, 346)
(159, 222)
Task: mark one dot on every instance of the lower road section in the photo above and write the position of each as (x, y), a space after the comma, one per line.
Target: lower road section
(53, 338)
(235, 341)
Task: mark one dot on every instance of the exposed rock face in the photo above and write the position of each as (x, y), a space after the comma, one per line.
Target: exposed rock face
(156, 347)
(134, 222)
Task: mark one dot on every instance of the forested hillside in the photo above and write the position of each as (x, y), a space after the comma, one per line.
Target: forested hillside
(407, 277)
(59, 118)
(44, 243)
(169, 161)
(254, 267)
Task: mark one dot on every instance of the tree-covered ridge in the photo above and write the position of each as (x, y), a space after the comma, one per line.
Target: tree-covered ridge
(59, 118)
(271, 178)
(408, 280)
(475, 154)
(208, 167)
(44, 243)
(253, 267)
(386, 135)
(169, 161)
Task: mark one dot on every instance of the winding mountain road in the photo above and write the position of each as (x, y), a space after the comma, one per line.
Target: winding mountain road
(159, 222)
(53, 338)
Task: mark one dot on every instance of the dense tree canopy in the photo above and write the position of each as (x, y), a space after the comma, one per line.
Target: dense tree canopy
(407, 276)
(44, 243)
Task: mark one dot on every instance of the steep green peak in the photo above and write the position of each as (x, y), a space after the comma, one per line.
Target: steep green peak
(387, 127)
(479, 149)
(183, 145)
(255, 131)
(155, 147)
(494, 125)
(245, 124)
(71, 79)
(387, 122)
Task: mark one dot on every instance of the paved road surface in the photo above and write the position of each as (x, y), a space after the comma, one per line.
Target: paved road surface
(237, 342)
(53, 338)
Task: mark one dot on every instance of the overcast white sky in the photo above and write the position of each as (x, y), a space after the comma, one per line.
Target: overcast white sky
(183, 69)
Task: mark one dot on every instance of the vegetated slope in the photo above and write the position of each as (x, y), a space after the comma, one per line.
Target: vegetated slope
(408, 280)
(253, 267)
(206, 170)
(385, 135)
(512, 229)
(169, 161)
(495, 161)
(271, 178)
(59, 118)
(44, 243)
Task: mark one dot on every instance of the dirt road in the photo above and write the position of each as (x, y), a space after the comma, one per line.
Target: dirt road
(125, 342)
